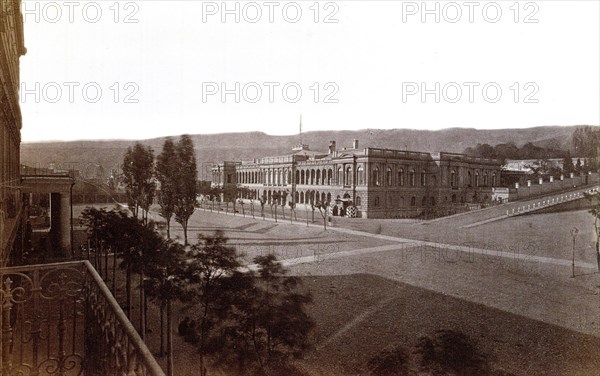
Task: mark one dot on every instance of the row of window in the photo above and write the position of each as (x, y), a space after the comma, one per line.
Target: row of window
(345, 177)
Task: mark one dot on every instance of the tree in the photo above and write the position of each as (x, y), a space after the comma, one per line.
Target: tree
(262, 201)
(274, 202)
(586, 141)
(322, 206)
(138, 168)
(230, 193)
(451, 352)
(568, 164)
(578, 168)
(165, 284)
(186, 176)
(292, 206)
(166, 167)
(268, 322)
(283, 200)
(128, 237)
(212, 261)
(394, 361)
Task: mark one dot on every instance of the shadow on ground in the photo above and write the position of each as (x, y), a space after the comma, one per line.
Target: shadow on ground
(364, 319)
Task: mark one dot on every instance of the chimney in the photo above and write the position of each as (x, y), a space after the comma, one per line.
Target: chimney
(331, 147)
(355, 144)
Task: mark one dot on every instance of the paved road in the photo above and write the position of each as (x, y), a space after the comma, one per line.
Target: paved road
(494, 213)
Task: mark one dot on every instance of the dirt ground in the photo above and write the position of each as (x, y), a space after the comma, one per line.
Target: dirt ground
(527, 315)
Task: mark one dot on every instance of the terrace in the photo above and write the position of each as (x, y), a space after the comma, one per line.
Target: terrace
(61, 319)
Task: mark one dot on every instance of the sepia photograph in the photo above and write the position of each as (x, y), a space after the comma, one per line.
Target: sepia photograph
(299, 188)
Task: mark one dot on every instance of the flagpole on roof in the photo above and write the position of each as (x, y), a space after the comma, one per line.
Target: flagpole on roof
(300, 129)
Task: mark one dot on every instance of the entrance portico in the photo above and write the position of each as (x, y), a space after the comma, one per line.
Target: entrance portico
(59, 189)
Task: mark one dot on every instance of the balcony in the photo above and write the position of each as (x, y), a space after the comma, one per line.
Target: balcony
(61, 319)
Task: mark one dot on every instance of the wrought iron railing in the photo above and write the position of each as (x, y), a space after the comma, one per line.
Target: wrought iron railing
(61, 319)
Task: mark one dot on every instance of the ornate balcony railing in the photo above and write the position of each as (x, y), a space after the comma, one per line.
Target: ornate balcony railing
(61, 319)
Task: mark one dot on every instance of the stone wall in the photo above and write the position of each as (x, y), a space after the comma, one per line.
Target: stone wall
(542, 187)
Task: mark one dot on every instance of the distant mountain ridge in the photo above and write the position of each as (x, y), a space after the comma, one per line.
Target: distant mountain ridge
(212, 148)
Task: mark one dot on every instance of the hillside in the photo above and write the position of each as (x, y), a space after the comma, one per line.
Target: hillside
(84, 155)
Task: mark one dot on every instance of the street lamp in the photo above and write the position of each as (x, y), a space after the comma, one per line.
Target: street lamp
(574, 232)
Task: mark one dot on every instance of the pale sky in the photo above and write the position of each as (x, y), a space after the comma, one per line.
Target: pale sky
(375, 61)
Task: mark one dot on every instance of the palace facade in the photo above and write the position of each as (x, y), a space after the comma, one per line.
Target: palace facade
(11, 49)
(368, 182)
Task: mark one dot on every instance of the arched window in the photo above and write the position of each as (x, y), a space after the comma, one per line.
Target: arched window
(493, 179)
(289, 177)
(389, 176)
(312, 177)
(423, 179)
(348, 180)
(376, 176)
(411, 178)
(453, 178)
(401, 177)
(329, 176)
(302, 177)
(485, 179)
(318, 177)
(413, 201)
(301, 197)
(323, 198)
(469, 178)
(328, 198)
(358, 201)
(297, 197)
(297, 177)
(360, 175)
(477, 178)
(340, 176)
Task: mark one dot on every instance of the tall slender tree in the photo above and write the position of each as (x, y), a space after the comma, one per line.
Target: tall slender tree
(166, 167)
(138, 168)
(568, 166)
(187, 175)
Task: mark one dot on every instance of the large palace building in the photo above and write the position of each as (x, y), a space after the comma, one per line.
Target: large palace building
(368, 182)
(11, 49)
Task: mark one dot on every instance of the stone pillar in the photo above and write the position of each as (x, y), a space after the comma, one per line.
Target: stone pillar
(65, 223)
